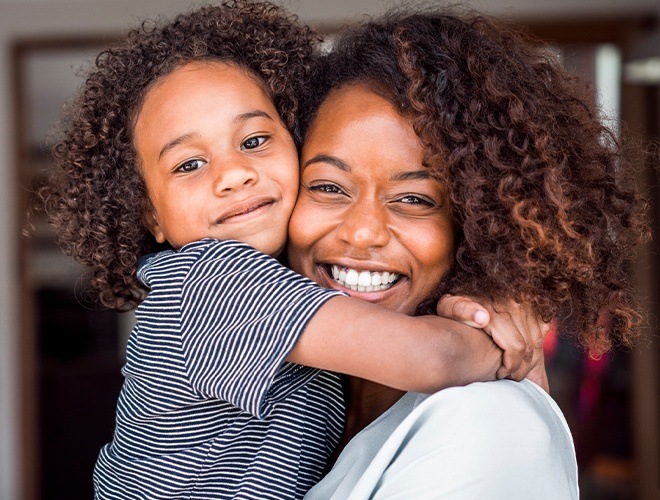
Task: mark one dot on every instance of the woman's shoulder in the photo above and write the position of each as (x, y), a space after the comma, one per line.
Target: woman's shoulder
(499, 439)
(515, 421)
(519, 408)
(501, 393)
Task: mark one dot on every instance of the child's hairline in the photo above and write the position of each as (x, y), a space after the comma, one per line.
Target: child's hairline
(135, 111)
(137, 107)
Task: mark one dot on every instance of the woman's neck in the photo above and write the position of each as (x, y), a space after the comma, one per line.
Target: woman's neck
(365, 402)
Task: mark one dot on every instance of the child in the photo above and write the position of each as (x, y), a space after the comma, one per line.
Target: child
(180, 142)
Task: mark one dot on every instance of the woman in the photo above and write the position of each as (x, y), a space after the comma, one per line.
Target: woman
(449, 152)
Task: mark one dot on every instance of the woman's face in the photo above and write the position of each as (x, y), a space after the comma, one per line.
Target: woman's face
(369, 219)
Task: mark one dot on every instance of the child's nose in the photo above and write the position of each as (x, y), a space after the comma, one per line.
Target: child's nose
(232, 176)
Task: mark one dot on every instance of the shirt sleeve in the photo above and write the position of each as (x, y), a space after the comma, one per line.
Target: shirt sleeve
(484, 441)
(241, 314)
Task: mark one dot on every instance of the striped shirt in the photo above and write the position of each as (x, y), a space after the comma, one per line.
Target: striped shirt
(209, 407)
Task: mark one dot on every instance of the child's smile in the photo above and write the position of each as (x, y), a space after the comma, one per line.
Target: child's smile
(216, 158)
(245, 210)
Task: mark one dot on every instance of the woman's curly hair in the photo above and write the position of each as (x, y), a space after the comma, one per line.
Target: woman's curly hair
(543, 200)
(96, 198)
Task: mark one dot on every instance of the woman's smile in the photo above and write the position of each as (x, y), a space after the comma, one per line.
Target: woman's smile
(370, 219)
(360, 278)
(364, 281)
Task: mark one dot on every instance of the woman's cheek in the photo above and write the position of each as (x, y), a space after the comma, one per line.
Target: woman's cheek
(430, 245)
(303, 227)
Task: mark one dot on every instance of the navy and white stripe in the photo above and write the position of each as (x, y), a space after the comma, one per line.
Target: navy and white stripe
(209, 407)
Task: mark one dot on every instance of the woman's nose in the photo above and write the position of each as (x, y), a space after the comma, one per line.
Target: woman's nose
(230, 176)
(365, 225)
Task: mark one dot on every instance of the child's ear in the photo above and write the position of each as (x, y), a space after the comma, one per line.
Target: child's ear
(151, 221)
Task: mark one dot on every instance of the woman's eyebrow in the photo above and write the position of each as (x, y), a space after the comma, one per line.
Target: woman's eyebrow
(332, 160)
(411, 175)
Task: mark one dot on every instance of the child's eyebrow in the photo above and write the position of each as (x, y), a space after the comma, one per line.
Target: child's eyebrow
(257, 113)
(175, 142)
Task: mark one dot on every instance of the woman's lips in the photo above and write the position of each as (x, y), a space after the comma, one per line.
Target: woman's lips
(363, 280)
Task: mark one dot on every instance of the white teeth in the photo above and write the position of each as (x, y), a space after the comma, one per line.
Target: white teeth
(352, 277)
(363, 281)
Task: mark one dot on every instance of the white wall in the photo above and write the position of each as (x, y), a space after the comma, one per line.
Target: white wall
(20, 19)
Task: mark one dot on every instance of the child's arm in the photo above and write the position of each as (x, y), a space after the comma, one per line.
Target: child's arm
(422, 354)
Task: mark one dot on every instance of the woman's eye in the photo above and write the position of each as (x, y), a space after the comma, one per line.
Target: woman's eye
(326, 188)
(190, 165)
(411, 199)
(254, 142)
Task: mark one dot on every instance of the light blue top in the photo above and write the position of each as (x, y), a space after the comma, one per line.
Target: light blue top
(499, 439)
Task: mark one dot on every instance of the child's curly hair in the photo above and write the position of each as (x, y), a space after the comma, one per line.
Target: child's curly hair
(95, 199)
(545, 209)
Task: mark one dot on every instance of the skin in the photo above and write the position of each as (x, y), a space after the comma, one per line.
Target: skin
(218, 162)
(367, 203)
(373, 205)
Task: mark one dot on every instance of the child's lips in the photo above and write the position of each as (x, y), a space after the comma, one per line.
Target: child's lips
(245, 209)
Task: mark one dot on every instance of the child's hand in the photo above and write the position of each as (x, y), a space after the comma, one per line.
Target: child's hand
(513, 327)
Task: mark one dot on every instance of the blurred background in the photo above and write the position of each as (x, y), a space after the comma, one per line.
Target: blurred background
(60, 356)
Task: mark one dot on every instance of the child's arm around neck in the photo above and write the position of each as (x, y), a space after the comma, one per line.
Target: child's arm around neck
(421, 354)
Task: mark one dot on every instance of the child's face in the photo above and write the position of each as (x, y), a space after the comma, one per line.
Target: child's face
(216, 159)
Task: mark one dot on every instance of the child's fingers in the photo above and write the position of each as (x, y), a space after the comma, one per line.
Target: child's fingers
(513, 327)
(516, 360)
(539, 376)
(463, 309)
(511, 331)
(522, 323)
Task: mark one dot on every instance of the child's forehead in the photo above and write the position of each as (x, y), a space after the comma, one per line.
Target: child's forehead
(203, 100)
(227, 66)
(223, 79)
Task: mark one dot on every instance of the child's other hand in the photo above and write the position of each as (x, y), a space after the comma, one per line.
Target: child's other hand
(513, 327)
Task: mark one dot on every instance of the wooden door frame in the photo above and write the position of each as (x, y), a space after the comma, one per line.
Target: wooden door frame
(28, 344)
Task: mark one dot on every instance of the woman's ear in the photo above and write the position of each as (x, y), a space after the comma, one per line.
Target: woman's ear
(151, 221)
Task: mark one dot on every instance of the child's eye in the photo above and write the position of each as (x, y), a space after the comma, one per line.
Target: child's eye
(254, 142)
(190, 165)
